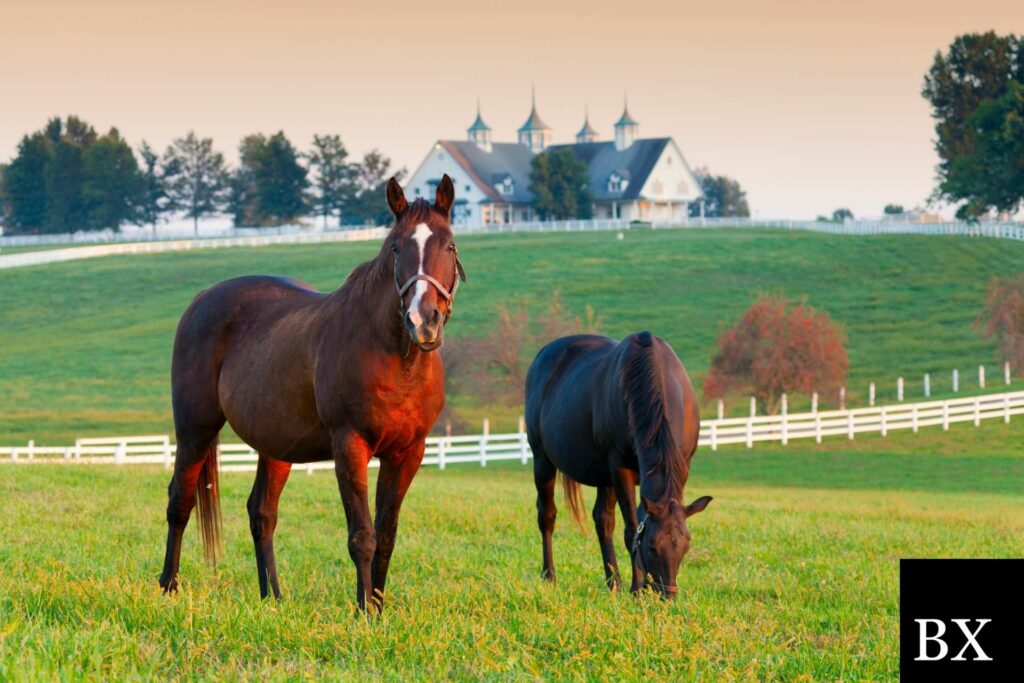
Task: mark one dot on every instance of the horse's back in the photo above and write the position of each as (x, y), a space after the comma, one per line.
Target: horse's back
(559, 404)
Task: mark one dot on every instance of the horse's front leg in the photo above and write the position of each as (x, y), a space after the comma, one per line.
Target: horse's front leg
(396, 473)
(351, 458)
(624, 481)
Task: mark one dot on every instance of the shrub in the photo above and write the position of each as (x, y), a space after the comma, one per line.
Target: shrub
(1002, 319)
(778, 347)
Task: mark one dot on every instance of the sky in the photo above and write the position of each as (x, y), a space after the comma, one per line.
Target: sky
(810, 104)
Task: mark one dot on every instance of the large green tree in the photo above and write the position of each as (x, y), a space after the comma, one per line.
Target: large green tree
(991, 175)
(196, 177)
(335, 178)
(113, 186)
(723, 196)
(270, 184)
(25, 183)
(153, 199)
(560, 184)
(978, 68)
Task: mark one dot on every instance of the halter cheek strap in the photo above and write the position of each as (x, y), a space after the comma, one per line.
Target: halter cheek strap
(448, 296)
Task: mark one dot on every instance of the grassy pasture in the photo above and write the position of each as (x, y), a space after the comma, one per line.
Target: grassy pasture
(85, 346)
(793, 573)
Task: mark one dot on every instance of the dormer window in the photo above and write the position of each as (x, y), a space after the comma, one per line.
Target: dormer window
(617, 182)
(504, 184)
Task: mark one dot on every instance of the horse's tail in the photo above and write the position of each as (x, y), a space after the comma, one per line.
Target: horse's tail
(208, 500)
(574, 498)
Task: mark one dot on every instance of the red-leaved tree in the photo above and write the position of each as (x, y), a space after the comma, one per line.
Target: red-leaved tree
(778, 347)
(1002, 320)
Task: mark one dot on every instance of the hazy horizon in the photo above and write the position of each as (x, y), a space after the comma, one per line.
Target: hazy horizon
(810, 105)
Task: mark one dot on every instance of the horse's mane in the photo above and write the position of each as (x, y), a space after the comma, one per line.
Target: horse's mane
(644, 391)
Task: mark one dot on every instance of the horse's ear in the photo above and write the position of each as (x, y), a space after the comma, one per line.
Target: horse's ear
(396, 198)
(445, 196)
(656, 510)
(698, 505)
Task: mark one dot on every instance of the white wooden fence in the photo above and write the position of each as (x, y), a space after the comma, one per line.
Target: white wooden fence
(485, 448)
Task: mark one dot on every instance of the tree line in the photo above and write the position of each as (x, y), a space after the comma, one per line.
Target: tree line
(67, 178)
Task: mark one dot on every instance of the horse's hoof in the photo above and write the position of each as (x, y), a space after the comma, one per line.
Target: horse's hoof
(169, 585)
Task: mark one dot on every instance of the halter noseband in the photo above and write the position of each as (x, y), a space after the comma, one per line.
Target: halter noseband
(448, 296)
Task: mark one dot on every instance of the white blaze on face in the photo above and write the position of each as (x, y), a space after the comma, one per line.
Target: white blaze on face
(421, 236)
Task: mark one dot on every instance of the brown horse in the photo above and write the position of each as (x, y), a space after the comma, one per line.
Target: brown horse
(613, 414)
(303, 376)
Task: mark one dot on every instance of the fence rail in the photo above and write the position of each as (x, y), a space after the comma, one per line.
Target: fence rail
(485, 448)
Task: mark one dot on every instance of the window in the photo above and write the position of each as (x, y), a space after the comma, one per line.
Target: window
(417, 190)
(616, 183)
(468, 188)
(682, 188)
(668, 160)
(657, 187)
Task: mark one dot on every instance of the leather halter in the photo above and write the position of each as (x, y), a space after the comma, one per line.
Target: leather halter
(448, 296)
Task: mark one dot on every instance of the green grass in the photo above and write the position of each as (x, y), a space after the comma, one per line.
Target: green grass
(793, 573)
(85, 346)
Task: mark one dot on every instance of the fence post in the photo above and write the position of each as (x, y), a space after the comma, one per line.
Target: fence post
(31, 449)
(721, 409)
(522, 439)
(849, 425)
(1006, 408)
(785, 421)
(945, 416)
(1006, 372)
(871, 395)
(167, 452)
(956, 380)
(977, 411)
(927, 385)
(884, 426)
(119, 454)
(483, 442)
(842, 398)
(814, 402)
(981, 376)
(714, 436)
(899, 389)
(913, 417)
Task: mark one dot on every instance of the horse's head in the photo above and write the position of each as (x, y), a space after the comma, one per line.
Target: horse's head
(427, 266)
(662, 538)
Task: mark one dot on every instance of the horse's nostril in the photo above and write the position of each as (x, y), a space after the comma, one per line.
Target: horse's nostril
(435, 317)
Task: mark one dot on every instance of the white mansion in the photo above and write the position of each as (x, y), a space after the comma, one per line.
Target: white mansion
(631, 177)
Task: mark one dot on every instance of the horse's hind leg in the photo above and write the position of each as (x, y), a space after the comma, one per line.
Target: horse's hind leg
(544, 473)
(604, 523)
(271, 476)
(181, 498)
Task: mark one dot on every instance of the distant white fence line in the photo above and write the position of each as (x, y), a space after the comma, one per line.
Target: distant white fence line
(35, 258)
(485, 448)
(115, 243)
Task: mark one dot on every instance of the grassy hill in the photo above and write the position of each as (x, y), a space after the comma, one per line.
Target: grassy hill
(85, 346)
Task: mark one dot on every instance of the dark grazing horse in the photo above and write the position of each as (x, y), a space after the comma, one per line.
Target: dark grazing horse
(303, 376)
(613, 414)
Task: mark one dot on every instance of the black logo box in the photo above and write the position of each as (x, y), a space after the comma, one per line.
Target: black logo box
(970, 590)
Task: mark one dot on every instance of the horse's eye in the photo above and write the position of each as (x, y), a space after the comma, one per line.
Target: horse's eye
(451, 247)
